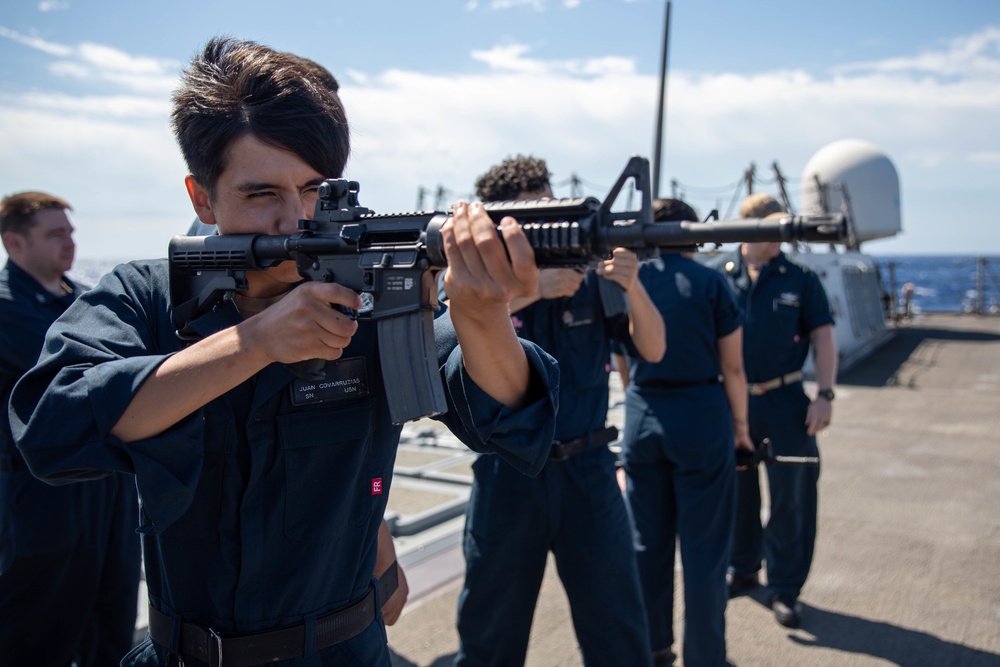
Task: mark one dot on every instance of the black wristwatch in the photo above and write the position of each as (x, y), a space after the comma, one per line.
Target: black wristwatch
(826, 393)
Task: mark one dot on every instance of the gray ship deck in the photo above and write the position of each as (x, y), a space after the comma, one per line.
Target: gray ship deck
(909, 534)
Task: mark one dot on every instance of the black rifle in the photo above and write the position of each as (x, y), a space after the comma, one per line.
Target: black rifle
(764, 453)
(393, 258)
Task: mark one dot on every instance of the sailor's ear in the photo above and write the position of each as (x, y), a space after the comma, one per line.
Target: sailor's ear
(13, 242)
(200, 200)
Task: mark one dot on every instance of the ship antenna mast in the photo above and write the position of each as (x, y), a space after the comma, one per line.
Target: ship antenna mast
(660, 120)
(780, 178)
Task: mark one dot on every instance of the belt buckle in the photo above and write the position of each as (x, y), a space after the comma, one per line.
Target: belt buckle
(215, 642)
(756, 389)
(557, 446)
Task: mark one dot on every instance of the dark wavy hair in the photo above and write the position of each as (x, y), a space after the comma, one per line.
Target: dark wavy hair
(235, 88)
(673, 210)
(512, 177)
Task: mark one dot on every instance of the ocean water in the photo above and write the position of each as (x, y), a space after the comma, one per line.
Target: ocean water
(941, 283)
(89, 271)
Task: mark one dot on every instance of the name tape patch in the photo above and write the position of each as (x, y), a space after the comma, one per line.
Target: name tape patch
(346, 379)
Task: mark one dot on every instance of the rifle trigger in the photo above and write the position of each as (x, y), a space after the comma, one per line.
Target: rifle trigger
(349, 312)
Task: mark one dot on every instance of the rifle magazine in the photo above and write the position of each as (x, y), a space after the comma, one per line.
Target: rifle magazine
(410, 371)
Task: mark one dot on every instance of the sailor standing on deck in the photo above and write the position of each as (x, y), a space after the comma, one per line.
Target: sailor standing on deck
(69, 555)
(786, 311)
(574, 507)
(261, 505)
(683, 417)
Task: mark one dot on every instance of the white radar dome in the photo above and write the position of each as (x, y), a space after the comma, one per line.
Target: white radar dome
(858, 173)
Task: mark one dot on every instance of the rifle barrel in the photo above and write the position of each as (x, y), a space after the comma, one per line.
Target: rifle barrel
(678, 234)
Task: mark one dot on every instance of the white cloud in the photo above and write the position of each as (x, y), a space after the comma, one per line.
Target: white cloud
(707, 115)
(357, 76)
(124, 179)
(587, 119)
(111, 106)
(987, 158)
(139, 83)
(114, 158)
(114, 60)
(511, 58)
(112, 155)
(96, 62)
(36, 42)
(968, 56)
(537, 5)
(136, 73)
(69, 69)
(500, 5)
(52, 5)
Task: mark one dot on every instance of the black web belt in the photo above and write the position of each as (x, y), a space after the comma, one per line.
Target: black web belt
(258, 648)
(563, 450)
(12, 462)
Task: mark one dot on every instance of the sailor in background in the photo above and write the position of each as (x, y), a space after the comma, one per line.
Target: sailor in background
(787, 312)
(574, 507)
(69, 555)
(683, 417)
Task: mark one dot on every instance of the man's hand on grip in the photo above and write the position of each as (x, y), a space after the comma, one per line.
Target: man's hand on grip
(302, 325)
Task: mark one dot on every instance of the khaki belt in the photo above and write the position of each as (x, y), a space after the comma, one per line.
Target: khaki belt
(761, 388)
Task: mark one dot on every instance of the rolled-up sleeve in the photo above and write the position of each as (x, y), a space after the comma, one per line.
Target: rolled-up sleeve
(521, 437)
(95, 357)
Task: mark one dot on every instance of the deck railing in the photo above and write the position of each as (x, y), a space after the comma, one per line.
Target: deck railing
(980, 297)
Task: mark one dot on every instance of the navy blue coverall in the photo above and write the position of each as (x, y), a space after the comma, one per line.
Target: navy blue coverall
(679, 457)
(574, 508)
(69, 555)
(783, 306)
(260, 510)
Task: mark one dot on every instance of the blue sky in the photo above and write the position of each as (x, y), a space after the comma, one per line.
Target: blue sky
(438, 92)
